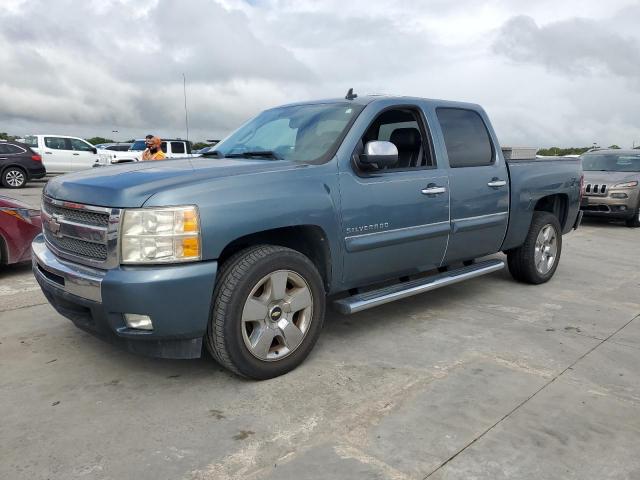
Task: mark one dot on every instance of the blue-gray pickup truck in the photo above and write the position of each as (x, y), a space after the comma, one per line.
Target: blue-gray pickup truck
(356, 201)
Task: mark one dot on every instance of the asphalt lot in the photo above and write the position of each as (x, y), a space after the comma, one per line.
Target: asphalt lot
(487, 379)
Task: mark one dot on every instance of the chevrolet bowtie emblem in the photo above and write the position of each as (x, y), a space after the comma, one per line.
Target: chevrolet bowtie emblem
(54, 226)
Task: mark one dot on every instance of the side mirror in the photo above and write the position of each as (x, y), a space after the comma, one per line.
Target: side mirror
(94, 150)
(379, 153)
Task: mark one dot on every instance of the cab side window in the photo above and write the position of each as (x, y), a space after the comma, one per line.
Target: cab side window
(466, 138)
(177, 147)
(404, 129)
(80, 146)
(56, 143)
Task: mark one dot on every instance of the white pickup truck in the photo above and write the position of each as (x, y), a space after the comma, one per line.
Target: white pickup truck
(171, 147)
(63, 154)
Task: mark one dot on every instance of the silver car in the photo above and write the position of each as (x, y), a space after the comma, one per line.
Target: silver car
(612, 185)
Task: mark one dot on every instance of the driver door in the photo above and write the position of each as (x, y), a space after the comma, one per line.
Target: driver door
(395, 220)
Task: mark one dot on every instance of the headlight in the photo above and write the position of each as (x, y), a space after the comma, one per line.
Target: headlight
(160, 235)
(626, 185)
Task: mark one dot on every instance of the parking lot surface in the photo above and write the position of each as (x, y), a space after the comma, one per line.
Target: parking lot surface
(487, 379)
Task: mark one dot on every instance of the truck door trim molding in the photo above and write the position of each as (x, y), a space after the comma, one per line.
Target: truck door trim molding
(368, 241)
(481, 221)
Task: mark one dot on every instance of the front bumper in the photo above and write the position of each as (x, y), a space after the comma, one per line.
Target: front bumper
(176, 297)
(606, 206)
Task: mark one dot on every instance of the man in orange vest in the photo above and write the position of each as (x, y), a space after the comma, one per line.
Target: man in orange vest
(154, 150)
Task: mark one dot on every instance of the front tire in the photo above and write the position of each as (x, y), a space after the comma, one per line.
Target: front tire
(634, 222)
(14, 177)
(536, 260)
(268, 311)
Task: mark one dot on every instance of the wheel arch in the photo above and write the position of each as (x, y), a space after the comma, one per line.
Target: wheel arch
(557, 204)
(310, 240)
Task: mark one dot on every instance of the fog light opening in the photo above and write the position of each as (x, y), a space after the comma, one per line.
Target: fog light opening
(138, 322)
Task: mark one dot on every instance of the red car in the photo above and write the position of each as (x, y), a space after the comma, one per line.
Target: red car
(19, 224)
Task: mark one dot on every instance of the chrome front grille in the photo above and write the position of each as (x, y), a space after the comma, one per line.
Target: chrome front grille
(82, 233)
(596, 189)
(83, 248)
(81, 216)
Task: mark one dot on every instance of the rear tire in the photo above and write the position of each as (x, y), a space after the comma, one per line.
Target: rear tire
(14, 177)
(268, 311)
(634, 222)
(536, 260)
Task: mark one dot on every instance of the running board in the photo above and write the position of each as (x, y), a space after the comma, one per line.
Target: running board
(363, 301)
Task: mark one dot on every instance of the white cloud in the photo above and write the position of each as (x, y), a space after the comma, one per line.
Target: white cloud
(548, 72)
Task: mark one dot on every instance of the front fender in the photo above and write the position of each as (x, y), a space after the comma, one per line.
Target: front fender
(233, 207)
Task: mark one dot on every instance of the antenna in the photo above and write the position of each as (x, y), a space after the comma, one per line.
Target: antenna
(350, 95)
(186, 113)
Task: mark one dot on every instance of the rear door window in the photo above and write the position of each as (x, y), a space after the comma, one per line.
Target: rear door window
(56, 143)
(13, 149)
(466, 138)
(177, 147)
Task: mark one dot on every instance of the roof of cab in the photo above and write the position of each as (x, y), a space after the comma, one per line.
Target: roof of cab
(367, 99)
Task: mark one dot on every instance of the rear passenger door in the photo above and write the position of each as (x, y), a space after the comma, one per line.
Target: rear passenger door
(57, 155)
(395, 220)
(479, 185)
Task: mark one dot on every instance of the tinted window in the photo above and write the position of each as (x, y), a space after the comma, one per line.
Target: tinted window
(466, 138)
(122, 148)
(163, 147)
(3, 148)
(80, 146)
(138, 146)
(12, 149)
(56, 143)
(177, 147)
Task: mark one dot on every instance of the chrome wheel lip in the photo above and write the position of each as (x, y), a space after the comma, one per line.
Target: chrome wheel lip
(272, 313)
(14, 178)
(546, 249)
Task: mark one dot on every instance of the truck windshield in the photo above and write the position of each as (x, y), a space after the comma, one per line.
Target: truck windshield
(611, 162)
(301, 133)
(138, 145)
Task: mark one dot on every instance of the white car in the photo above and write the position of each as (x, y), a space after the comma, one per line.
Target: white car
(172, 148)
(63, 154)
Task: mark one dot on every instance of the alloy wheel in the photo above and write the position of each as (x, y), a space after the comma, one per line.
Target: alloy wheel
(546, 249)
(277, 315)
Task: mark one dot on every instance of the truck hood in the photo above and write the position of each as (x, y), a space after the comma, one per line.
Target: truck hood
(130, 185)
(610, 178)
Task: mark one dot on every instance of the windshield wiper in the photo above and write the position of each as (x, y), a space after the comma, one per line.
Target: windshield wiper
(213, 153)
(257, 153)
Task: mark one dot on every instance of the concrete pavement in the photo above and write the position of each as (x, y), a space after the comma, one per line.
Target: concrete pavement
(487, 379)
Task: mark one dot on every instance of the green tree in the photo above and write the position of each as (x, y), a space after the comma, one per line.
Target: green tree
(6, 136)
(614, 147)
(98, 140)
(557, 151)
(199, 145)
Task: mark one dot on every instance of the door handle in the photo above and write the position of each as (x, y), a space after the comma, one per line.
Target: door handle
(76, 154)
(48, 153)
(497, 183)
(433, 190)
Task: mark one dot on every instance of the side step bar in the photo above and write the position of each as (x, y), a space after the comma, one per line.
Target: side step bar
(363, 301)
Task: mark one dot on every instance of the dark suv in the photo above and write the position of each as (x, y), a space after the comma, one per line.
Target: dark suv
(19, 164)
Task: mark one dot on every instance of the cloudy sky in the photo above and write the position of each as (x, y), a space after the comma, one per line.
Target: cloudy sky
(548, 72)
